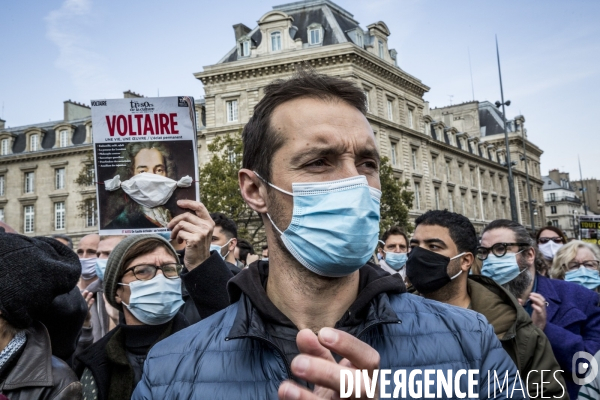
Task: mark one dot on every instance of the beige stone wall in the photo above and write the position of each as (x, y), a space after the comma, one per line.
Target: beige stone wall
(44, 164)
(485, 197)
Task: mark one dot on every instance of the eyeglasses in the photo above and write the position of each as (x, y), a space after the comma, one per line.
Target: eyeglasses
(499, 249)
(589, 264)
(145, 272)
(556, 239)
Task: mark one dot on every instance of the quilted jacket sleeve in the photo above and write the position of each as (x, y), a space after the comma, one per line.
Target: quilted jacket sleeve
(498, 373)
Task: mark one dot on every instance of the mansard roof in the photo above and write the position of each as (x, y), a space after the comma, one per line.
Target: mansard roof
(336, 23)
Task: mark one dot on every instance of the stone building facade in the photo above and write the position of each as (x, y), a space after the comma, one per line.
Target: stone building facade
(39, 166)
(563, 205)
(452, 156)
(589, 190)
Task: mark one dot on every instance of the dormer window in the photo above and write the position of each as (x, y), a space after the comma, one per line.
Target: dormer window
(34, 142)
(315, 34)
(360, 41)
(64, 138)
(245, 48)
(381, 49)
(4, 147)
(276, 41)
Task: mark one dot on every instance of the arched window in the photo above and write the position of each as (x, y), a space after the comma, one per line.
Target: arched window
(275, 41)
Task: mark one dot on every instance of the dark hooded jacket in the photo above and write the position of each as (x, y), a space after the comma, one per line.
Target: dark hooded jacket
(245, 350)
(525, 343)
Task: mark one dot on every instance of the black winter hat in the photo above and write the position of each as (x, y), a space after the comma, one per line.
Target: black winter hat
(33, 271)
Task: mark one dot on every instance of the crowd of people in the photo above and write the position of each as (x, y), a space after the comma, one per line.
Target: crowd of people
(197, 313)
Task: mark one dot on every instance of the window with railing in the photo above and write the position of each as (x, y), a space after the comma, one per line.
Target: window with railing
(417, 196)
(59, 178)
(91, 212)
(394, 153)
(232, 111)
(29, 182)
(59, 215)
(29, 219)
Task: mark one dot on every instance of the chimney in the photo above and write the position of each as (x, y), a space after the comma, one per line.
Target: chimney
(555, 175)
(74, 110)
(131, 95)
(240, 30)
(2, 122)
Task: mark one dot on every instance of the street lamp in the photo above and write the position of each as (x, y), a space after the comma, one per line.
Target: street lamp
(511, 184)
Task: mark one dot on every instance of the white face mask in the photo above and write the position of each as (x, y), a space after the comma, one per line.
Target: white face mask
(88, 267)
(150, 190)
(549, 249)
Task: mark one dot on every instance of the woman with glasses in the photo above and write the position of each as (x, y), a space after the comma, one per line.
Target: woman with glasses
(549, 240)
(578, 262)
(142, 280)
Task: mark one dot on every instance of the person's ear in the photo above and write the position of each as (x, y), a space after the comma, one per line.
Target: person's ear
(467, 261)
(253, 190)
(530, 255)
(232, 245)
(117, 295)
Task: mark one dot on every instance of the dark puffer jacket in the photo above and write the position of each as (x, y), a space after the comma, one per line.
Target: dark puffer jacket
(233, 354)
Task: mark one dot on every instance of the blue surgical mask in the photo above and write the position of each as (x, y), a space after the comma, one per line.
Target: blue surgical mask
(395, 260)
(101, 267)
(501, 269)
(334, 225)
(585, 277)
(155, 301)
(218, 248)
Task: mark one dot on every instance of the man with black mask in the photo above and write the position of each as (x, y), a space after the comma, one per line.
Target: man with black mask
(443, 248)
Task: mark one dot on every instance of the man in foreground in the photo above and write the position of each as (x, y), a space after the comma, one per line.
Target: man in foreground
(311, 171)
(441, 236)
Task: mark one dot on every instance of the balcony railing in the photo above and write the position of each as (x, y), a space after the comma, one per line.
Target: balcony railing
(564, 198)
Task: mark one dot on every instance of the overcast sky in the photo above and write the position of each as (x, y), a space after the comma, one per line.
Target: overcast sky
(56, 50)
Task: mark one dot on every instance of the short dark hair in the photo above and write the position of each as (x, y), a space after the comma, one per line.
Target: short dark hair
(393, 230)
(462, 231)
(265, 247)
(227, 225)
(554, 229)
(521, 234)
(259, 139)
(64, 237)
(245, 249)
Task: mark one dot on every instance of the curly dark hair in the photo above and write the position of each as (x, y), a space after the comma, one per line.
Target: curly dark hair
(461, 229)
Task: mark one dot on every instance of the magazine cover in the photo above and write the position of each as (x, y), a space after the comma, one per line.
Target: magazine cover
(146, 159)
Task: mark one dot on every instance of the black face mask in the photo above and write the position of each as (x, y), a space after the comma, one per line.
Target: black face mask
(428, 271)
